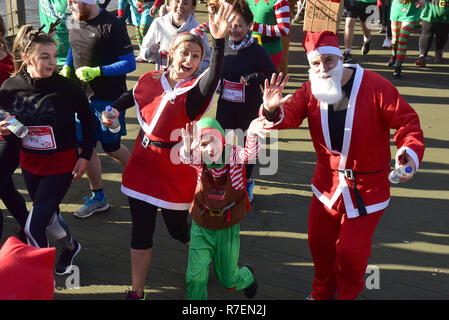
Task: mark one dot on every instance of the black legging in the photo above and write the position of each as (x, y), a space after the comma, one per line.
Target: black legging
(143, 217)
(385, 16)
(13, 200)
(46, 192)
(429, 30)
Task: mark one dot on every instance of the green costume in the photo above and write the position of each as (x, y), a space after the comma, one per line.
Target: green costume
(49, 12)
(217, 210)
(406, 11)
(436, 11)
(265, 15)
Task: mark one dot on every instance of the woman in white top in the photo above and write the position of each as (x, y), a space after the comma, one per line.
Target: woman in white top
(164, 29)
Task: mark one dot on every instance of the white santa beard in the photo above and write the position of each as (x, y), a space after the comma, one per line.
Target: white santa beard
(327, 90)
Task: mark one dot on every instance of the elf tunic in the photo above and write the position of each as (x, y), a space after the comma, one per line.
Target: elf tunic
(217, 237)
(154, 174)
(366, 141)
(405, 11)
(271, 22)
(436, 11)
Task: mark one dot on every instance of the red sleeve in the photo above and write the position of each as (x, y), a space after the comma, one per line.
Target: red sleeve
(402, 117)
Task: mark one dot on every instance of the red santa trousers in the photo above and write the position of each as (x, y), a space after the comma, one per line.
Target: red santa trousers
(340, 248)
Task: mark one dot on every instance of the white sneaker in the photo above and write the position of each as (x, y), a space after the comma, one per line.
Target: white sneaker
(387, 43)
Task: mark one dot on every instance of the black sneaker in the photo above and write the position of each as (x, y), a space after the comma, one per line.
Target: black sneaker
(392, 61)
(366, 47)
(251, 291)
(64, 264)
(397, 72)
(347, 57)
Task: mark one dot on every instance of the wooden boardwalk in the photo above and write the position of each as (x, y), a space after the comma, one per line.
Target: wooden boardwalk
(410, 246)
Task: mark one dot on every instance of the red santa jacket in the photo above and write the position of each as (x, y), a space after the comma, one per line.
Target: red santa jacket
(375, 106)
(154, 174)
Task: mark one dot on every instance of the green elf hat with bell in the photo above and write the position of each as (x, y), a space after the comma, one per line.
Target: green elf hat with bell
(210, 125)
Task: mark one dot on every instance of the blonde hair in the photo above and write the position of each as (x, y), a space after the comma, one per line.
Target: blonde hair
(26, 42)
(3, 43)
(187, 37)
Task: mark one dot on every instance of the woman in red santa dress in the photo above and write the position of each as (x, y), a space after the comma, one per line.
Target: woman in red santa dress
(154, 177)
(350, 112)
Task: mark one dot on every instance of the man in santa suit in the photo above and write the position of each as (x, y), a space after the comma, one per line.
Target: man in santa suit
(350, 112)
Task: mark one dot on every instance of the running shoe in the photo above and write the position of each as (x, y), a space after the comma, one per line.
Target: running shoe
(90, 207)
(139, 59)
(421, 61)
(366, 47)
(250, 190)
(347, 57)
(132, 295)
(65, 261)
(397, 72)
(387, 43)
(391, 61)
(251, 291)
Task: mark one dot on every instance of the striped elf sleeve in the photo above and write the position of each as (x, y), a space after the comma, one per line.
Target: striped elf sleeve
(200, 29)
(250, 153)
(282, 26)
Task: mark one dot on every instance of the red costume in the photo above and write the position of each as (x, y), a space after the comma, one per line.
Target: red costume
(339, 236)
(152, 173)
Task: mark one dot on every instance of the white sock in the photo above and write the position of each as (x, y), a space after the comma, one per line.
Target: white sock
(348, 49)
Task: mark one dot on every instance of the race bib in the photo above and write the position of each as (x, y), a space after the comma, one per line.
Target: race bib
(39, 138)
(233, 91)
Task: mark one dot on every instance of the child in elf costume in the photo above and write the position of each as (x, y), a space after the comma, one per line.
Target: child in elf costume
(219, 205)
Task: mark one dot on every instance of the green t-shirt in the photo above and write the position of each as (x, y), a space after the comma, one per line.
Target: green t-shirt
(264, 14)
(406, 11)
(436, 11)
(49, 12)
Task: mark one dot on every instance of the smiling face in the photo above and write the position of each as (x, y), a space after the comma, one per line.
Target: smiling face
(239, 28)
(42, 63)
(181, 10)
(186, 58)
(211, 147)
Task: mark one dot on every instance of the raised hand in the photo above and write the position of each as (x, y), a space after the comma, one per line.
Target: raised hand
(272, 94)
(260, 126)
(188, 138)
(219, 23)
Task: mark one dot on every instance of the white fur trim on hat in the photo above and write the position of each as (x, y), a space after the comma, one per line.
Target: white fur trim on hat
(324, 50)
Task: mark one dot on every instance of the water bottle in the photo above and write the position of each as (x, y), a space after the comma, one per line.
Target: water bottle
(14, 125)
(395, 175)
(162, 60)
(112, 115)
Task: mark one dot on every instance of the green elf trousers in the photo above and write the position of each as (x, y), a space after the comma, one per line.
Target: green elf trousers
(222, 247)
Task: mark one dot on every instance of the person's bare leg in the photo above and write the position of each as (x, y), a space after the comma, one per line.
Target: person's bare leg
(140, 264)
(121, 155)
(349, 33)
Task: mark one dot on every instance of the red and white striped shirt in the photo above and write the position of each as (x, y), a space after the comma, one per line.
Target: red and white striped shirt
(282, 26)
(237, 160)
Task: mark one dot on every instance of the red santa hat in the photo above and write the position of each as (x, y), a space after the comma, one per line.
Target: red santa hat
(318, 43)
